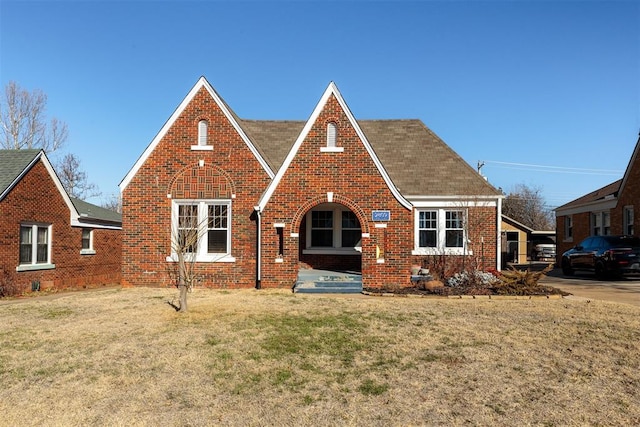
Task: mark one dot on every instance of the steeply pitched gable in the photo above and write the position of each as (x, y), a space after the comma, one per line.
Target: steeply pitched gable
(229, 114)
(331, 91)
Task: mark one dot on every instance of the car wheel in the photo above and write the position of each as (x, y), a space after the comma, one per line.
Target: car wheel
(600, 271)
(566, 268)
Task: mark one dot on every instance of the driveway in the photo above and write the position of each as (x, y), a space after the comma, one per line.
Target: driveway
(584, 285)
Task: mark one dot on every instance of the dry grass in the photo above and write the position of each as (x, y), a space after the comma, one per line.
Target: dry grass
(124, 357)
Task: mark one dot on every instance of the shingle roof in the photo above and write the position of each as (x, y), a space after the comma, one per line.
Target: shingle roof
(610, 190)
(418, 162)
(12, 164)
(94, 213)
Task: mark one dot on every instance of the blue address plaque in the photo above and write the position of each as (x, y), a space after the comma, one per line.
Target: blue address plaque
(381, 215)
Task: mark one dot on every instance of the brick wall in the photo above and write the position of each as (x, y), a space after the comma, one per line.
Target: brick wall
(230, 169)
(356, 183)
(36, 199)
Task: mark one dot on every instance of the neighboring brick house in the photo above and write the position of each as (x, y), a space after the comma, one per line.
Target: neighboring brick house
(332, 192)
(48, 239)
(607, 210)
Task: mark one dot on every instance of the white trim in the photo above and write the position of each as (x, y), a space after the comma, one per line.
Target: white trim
(331, 90)
(455, 202)
(380, 225)
(34, 267)
(598, 205)
(332, 149)
(202, 82)
(332, 251)
(202, 148)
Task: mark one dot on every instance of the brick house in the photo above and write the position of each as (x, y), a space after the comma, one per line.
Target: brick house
(607, 210)
(48, 239)
(332, 192)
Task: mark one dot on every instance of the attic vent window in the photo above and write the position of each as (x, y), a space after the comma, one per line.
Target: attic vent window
(332, 140)
(203, 128)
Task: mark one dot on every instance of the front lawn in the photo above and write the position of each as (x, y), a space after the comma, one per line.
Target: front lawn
(247, 357)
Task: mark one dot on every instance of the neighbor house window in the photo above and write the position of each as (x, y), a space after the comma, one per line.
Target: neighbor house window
(568, 227)
(628, 220)
(203, 229)
(600, 223)
(35, 246)
(332, 226)
(87, 242)
(440, 231)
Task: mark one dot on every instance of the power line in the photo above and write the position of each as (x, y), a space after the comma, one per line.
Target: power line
(553, 169)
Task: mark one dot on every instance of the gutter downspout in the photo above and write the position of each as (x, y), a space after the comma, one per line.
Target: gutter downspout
(499, 236)
(258, 247)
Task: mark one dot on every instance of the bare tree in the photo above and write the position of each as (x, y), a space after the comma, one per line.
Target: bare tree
(113, 203)
(526, 205)
(23, 122)
(185, 237)
(74, 179)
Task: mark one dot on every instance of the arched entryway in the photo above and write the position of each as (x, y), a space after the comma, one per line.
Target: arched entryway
(330, 238)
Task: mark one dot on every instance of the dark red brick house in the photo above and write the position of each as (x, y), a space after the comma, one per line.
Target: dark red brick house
(48, 239)
(607, 210)
(332, 192)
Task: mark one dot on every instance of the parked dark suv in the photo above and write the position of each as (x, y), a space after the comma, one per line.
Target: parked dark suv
(604, 255)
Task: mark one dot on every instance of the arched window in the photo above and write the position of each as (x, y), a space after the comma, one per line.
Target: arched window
(202, 133)
(332, 133)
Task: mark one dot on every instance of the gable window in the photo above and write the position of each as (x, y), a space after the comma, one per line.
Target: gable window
(203, 135)
(440, 231)
(332, 140)
(202, 229)
(568, 227)
(87, 242)
(332, 228)
(332, 134)
(202, 132)
(35, 247)
(628, 220)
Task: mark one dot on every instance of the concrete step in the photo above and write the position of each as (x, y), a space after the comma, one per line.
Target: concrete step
(328, 288)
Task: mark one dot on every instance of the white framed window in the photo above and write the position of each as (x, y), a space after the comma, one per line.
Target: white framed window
(201, 229)
(568, 228)
(440, 231)
(628, 220)
(35, 247)
(203, 135)
(428, 229)
(600, 223)
(332, 228)
(87, 242)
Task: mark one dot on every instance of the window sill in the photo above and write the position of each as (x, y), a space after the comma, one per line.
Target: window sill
(436, 251)
(202, 148)
(331, 149)
(35, 267)
(332, 251)
(205, 258)
(87, 252)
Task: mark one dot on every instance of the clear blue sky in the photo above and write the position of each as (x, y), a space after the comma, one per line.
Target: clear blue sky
(548, 83)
